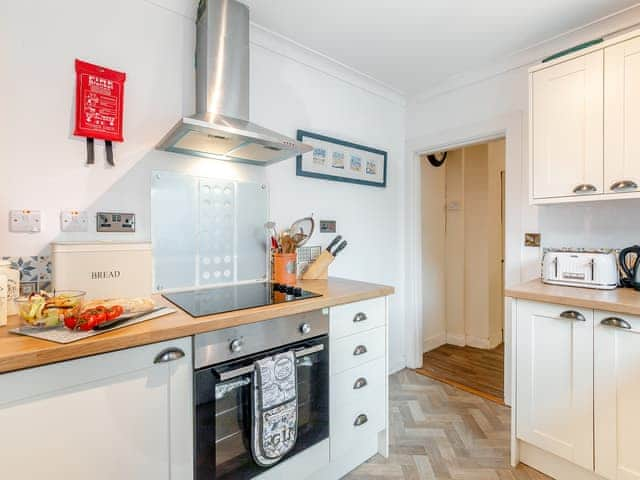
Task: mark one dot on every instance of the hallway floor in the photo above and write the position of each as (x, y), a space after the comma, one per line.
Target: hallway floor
(440, 432)
(475, 370)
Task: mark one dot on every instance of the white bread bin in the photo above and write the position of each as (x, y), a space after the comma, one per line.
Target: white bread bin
(103, 269)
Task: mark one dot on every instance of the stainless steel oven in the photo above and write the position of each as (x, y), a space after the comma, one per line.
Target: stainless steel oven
(224, 362)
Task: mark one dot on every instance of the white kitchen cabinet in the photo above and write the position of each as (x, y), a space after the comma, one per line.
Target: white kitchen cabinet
(617, 395)
(554, 381)
(566, 121)
(358, 360)
(622, 117)
(126, 415)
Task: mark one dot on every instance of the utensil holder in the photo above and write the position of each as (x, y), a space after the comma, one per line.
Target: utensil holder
(284, 268)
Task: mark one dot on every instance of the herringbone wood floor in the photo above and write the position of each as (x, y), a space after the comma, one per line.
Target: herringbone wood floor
(440, 432)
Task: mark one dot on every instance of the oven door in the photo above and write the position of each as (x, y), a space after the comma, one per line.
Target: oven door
(223, 410)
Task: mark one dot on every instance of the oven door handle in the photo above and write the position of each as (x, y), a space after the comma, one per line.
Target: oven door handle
(250, 368)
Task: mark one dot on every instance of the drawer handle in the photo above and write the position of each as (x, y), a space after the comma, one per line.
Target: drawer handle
(360, 350)
(360, 383)
(360, 420)
(616, 322)
(360, 317)
(169, 355)
(584, 188)
(623, 186)
(573, 315)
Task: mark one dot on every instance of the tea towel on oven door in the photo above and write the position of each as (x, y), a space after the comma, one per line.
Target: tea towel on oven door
(275, 408)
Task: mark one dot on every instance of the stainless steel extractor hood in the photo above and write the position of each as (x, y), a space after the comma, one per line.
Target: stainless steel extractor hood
(220, 129)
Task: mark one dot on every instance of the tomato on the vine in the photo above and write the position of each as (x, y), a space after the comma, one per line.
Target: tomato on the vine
(114, 312)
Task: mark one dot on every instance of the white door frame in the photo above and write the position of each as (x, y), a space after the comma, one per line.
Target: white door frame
(510, 127)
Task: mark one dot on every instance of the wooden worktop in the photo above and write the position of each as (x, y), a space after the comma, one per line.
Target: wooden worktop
(620, 300)
(18, 352)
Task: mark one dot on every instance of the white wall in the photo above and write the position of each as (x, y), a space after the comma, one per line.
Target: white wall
(291, 95)
(500, 90)
(42, 165)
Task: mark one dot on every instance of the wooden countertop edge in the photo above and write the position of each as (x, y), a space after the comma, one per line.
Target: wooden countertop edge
(620, 300)
(176, 325)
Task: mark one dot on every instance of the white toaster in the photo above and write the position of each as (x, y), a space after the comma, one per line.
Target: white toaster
(580, 268)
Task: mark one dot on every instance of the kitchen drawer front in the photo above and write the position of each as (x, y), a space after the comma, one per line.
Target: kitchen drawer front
(351, 424)
(357, 317)
(356, 385)
(349, 352)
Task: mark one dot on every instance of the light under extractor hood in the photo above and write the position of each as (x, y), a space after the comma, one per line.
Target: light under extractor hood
(220, 129)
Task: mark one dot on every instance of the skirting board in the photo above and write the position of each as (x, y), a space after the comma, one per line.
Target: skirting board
(434, 341)
(552, 465)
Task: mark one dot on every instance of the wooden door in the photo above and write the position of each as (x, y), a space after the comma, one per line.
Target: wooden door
(554, 380)
(617, 395)
(566, 128)
(622, 117)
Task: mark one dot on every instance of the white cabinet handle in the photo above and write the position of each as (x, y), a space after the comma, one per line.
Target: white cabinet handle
(360, 420)
(623, 186)
(169, 355)
(360, 317)
(360, 350)
(584, 188)
(573, 315)
(616, 322)
(360, 383)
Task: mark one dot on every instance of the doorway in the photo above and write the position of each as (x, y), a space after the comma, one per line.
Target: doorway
(463, 232)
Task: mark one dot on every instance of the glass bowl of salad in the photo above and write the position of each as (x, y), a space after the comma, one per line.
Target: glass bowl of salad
(47, 310)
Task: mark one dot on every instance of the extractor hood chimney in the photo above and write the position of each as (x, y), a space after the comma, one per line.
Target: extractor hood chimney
(221, 128)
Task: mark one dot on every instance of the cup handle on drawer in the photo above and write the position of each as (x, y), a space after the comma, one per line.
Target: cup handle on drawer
(359, 317)
(360, 420)
(360, 383)
(359, 350)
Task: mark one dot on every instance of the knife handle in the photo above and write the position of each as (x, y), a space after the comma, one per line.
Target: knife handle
(334, 242)
(340, 247)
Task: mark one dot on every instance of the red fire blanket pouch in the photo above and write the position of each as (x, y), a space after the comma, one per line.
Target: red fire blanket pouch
(99, 106)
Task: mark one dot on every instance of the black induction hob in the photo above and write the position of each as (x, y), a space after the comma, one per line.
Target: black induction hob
(209, 301)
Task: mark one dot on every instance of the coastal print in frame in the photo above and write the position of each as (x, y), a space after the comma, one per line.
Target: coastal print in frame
(341, 161)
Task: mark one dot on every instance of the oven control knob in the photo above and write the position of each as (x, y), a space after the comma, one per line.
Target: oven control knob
(305, 328)
(236, 345)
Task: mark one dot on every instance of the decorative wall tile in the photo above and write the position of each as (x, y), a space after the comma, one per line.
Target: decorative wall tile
(35, 272)
(44, 269)
(27, 288)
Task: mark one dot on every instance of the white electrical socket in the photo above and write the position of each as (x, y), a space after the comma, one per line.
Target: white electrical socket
(24, 221)
(74, 221)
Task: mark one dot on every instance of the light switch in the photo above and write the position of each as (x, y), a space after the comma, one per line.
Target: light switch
(24, 221)
(74, 221)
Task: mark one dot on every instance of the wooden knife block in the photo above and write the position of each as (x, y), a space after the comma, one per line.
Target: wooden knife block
(319, 269)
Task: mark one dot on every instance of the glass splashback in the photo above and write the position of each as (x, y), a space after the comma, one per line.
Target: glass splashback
(207, 231)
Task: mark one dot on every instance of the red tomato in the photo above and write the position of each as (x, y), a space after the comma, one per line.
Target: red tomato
(70, 322)
(114, 312)
(92, 317)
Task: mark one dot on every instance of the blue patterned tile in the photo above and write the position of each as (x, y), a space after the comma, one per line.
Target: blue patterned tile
(44, 269)
(27, 288)
(28, 267)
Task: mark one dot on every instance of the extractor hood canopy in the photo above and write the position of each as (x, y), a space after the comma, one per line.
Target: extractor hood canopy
(220, 128)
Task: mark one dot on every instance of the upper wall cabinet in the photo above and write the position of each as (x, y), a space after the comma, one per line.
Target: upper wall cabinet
(567, 120)
(622, 117)
(584, 122)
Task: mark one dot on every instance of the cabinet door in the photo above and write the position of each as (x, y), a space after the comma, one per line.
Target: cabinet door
(617, 395)
(567, 121)
(554, 380)
(622, 117)
(117, 415)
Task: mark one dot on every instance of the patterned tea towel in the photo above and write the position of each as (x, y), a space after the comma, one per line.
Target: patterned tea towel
(275, 408)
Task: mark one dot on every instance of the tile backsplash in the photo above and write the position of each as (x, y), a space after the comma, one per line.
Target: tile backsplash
(35, 273)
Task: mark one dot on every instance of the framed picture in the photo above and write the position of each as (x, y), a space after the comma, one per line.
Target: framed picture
(341, 161)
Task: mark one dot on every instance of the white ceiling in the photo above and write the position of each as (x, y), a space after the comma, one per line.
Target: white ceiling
(412, 44)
